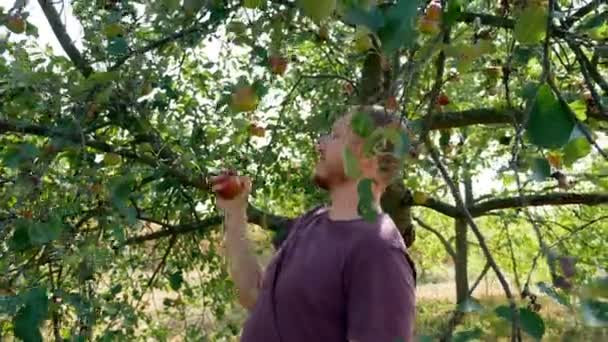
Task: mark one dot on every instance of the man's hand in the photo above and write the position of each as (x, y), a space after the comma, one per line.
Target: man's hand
(232, 192)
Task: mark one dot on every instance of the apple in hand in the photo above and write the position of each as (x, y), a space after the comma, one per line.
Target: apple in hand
(227, 185)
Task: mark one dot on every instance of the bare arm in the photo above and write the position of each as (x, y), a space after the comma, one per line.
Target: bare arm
(244, 269)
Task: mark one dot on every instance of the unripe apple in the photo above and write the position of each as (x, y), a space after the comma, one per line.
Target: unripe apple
(244, 99)
(253, 3)
(429, 26)
(363, 42)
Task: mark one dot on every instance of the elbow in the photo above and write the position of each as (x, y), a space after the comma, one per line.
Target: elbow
(248, 299)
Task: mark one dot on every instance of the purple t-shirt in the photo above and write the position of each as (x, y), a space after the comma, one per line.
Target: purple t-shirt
(334, 281)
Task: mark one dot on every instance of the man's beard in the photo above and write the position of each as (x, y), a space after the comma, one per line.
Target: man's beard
(330, 179)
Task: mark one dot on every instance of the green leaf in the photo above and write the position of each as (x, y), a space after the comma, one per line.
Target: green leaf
(21, 238)
(113, 30)
(580, 109)
(362, 124)
(29, 318)
(120, 188)
(453, 12)
(595, 313)
(531, 24)
(366, 197)
(317, 10)
(43, 232)
(541, 169)
(372, 18)
(369, 146)
(351, 164)
(118, 47)
(532, 323)
(551, 292)
(425, 338)
(16, 155)
(529, 320)
(9, 305)
(399, 28)
(468, 335)
(576, 149)
(175, 280)
(469, 305)
(550, 124)
(31, 30)
(598, 288)
(592, 22)
(191, 7)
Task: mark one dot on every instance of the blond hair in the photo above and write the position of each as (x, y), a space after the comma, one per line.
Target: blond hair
(389, 164)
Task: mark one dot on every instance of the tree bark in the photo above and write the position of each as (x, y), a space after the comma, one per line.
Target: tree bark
(462, 253)
(460, 267)
(395, 201)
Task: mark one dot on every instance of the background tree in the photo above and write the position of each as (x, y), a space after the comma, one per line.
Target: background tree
(105, 154)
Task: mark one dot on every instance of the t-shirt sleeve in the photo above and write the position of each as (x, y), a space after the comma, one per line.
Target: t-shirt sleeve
(380, 287)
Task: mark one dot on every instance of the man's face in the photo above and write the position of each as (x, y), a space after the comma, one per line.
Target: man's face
(329, 171)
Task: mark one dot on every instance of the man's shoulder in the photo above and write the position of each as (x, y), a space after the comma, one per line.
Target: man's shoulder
(383, 233)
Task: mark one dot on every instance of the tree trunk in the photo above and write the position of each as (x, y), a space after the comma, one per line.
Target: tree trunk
(392, 202)
(462, 277)
(374, 86)
(461, 228)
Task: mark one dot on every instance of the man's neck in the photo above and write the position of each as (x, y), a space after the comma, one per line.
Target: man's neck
(345, 200)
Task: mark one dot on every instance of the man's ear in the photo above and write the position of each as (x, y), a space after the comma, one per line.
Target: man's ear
(368, 164)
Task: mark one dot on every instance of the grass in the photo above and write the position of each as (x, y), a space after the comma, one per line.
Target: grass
(560, 325)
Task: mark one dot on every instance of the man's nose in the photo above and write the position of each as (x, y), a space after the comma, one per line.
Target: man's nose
(318, 147)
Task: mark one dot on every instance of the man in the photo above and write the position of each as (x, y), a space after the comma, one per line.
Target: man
(335, 277)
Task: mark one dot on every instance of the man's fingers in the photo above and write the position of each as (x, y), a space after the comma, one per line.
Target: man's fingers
(220, 178)
(246, 182)
(219, 186)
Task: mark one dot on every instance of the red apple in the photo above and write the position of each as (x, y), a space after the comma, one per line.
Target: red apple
(391, 104)
(278, 64)
(443, 100)
(256, 130)
(348, 88)
(429, 26)
(433, 11)
(228, 185)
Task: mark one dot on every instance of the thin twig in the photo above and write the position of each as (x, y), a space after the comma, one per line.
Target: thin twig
(444, 241)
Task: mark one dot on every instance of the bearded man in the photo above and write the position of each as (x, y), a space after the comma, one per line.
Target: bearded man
(336, 276)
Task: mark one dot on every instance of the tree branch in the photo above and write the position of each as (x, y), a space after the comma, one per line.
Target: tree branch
(199, 28)
(441, 238)
(539, 200)
(587, 67)
(482, 243)
(581, 12)
(52, 16)
(255, 216)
